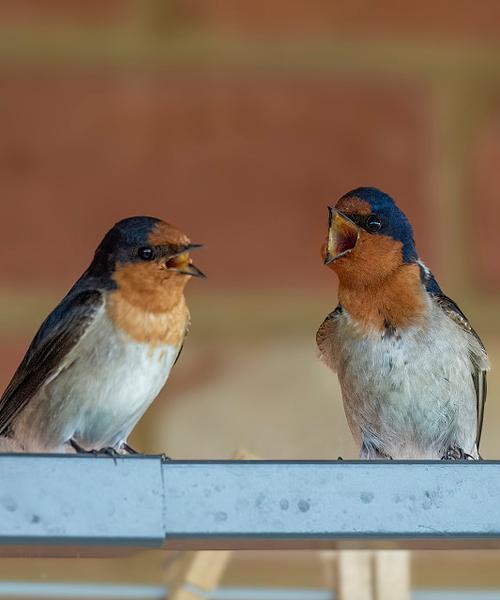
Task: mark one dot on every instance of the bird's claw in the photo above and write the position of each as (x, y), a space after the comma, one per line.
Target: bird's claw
(456, 453)
(128, 449)
(77, 448)
(108, 451)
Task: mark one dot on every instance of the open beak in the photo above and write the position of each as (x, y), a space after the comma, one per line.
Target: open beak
(181, 263)
(343, 235)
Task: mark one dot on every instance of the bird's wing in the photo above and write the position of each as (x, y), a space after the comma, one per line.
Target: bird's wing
(325, 334)
(48, 352)
(477, 355)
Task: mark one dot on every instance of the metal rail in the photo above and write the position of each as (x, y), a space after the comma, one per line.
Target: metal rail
(88, 591)
(74, 505)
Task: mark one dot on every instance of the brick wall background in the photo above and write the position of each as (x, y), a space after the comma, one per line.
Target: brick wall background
(240, 121)
(209, 113)
(245, 162)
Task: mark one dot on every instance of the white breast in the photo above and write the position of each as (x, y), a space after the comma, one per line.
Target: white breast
(410, 394)
(108, 385)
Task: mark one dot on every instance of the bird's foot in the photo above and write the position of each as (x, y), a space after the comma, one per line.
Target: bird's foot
(456, 453)
(128, 449)
(77, 448)
(108, 451)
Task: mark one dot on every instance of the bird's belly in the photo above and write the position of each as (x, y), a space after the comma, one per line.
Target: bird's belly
(408, 396)
(100, 396)
(111, 404)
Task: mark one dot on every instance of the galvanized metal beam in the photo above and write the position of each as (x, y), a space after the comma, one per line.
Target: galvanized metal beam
(88, 591)
(67, 505)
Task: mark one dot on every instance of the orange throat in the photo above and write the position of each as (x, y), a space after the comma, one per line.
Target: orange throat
(149, 309)
(397, 301)
(143, 326)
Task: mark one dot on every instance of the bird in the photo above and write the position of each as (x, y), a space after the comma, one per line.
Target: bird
(104, 353)
(412, 370)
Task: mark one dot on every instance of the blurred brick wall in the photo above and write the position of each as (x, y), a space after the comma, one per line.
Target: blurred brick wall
(83, 12)
(442, 18)
(245, 159)
(485, 161)
(245, 163)
(466, 20)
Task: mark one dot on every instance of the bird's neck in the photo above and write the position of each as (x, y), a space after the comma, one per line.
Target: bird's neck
(141, 325)
(396, 301)
(150, 289)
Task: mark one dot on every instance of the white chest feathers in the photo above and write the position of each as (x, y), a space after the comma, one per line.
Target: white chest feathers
(106, 386)
(408, 393)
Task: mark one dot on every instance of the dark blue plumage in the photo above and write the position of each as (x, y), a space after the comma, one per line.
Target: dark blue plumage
(394, 221)
(120, 244)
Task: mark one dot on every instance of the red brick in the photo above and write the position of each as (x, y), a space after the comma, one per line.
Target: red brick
(484, 202)
(11, 353)
(246, 163)
(83, 12)
(464, 19)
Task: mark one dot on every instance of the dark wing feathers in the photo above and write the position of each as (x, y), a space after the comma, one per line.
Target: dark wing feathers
(481, 385)
(57, 336)
(478, 357)
(477, 354)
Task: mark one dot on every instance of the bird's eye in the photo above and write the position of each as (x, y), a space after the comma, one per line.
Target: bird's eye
(373, 223)
(146, 253)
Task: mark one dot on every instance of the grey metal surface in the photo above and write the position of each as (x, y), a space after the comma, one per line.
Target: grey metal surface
(52, 505)
(334, 502)
(88, 591)
(73, 500)
(79, 591)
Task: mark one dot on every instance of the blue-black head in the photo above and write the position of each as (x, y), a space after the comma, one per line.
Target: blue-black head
(369, 221)
(144, 241)
(377, 213)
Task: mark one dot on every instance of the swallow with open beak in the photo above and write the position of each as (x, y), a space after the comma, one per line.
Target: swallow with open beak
(411, 369)
(102, 356)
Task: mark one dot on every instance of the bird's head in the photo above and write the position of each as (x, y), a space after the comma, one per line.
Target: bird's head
(145, 254)
(369, 237)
